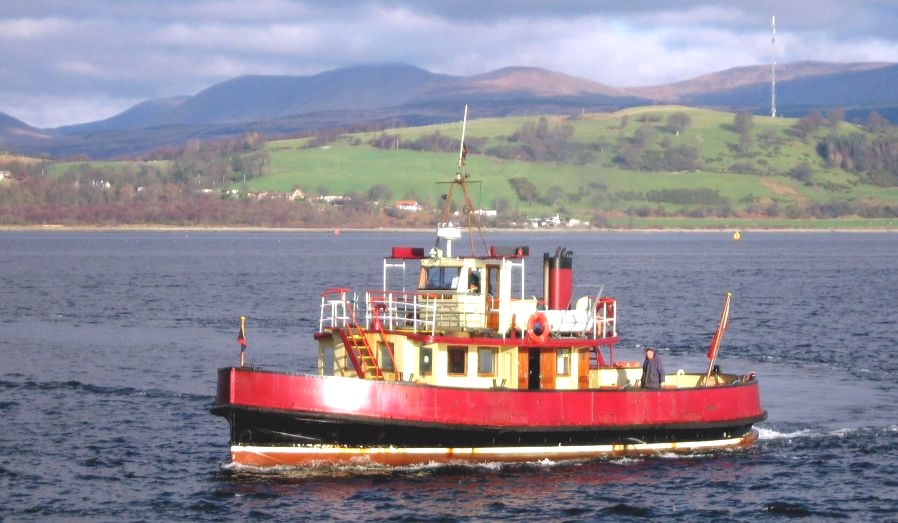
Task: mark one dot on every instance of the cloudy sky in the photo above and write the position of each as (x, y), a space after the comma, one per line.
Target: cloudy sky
(65, 62)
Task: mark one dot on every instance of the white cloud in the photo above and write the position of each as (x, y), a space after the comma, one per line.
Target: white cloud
(94, 56)
(82, 68)
(824, 48)
(277, 39)
(31, 28)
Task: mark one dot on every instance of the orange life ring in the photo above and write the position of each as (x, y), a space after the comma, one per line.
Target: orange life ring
(626, 364)
(539, 322)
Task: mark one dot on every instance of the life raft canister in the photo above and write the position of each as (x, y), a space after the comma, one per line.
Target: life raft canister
(538, 330)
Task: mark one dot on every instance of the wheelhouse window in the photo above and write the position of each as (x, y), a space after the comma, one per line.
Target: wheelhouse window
(474, 281)
(458, 359)
(439, 278)
(486, 361)
(563, 360)
(425, 362)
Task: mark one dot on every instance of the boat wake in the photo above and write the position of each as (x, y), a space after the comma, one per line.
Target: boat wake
(770, 434)
(374, 469)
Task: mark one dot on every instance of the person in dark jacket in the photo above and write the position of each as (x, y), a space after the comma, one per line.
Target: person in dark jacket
(652, 370)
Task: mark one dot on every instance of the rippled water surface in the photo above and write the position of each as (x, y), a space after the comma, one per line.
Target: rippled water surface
(109, 344)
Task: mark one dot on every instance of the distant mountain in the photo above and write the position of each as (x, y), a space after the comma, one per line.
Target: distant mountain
(526, 81)
(249, 99)
(373, 95)
(800, 87)
(399, 94)
(143, 115)
(255, 98)
(740, 77)
(13, 132)
(871, 88)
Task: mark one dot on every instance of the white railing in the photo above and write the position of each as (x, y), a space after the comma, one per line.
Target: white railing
(592, 315)
(334, 312)
(421, 311)
(426, 312)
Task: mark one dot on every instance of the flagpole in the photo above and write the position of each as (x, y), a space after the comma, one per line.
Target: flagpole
(241, 339)
(718, 336)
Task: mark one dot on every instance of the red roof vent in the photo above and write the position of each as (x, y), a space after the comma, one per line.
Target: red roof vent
(407, 253)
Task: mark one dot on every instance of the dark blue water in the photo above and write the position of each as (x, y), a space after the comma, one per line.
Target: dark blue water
(109, 344)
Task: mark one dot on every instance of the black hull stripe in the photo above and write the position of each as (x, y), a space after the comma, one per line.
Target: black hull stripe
(251, 426)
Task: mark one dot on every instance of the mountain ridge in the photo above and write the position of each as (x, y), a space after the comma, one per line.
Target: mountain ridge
(410, 95)
(742, 76)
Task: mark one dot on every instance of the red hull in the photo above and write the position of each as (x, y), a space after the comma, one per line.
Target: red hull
(429, 405)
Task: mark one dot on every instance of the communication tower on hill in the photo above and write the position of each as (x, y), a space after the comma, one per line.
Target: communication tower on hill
(773, 68)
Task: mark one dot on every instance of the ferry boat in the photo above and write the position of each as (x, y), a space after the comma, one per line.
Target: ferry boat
(465, 366)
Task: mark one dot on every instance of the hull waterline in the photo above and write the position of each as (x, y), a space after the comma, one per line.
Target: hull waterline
(328, 455)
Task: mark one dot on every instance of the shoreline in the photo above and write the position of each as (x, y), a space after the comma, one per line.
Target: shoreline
(339, 230)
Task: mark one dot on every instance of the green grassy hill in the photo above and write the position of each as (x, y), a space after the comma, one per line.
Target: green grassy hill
(741, 186)
(652, 167)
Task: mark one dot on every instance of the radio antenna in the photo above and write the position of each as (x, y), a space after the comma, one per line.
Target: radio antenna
(773, 67)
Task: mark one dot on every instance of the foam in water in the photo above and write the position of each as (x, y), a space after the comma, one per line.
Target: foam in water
(771, 434)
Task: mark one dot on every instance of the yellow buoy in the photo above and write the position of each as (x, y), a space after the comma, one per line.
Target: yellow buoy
(736, 235)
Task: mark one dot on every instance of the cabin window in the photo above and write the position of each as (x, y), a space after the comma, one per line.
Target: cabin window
(383, 357)
(563, 359)
(440, 278)
(458, 360)
(486, 361)
(425, 362)
(474, 281)
(492, 282)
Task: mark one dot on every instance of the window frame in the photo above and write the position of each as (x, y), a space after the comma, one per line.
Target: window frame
(454, 350)
(494, 361)
(563, 365)
(444, 284)
(425, 369)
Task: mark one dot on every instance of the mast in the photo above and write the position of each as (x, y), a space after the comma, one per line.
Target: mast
(472, 220)
(461, 146)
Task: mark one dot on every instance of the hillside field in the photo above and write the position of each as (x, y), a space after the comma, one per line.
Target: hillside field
(599, 185)
(646, 167)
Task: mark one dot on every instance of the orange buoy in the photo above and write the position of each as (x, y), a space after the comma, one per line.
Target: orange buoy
(538, 330)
